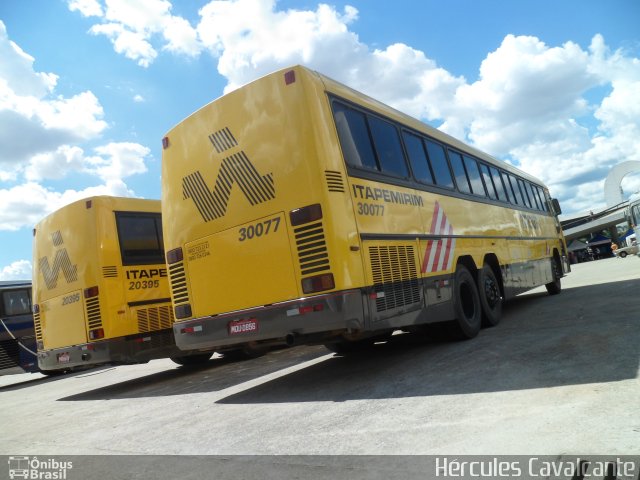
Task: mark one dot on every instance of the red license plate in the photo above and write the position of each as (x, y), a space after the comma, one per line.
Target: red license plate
(63, 358)
(249, 325)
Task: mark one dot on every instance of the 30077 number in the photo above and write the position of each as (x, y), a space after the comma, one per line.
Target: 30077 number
(259, 229)
(370, 209)
(141, 284)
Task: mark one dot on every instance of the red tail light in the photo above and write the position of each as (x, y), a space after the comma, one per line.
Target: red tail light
(318, 283)
(307, 214)
(91, 292)
(96, 334)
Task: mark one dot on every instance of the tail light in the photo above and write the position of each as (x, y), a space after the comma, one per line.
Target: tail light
(318, 283)
(96, 334)
(91, 292)
(308, 214)
(175, 256)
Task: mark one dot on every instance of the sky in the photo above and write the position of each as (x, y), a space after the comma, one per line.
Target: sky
(88, 88)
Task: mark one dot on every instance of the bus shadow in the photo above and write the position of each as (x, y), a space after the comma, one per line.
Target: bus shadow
(534, 346)
(214, 375)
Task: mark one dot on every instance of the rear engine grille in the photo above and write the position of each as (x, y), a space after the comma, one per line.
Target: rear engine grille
(312, 248)
(395, 274)
(94, 320)
(154, 318)
(178, 283)
(37, 326)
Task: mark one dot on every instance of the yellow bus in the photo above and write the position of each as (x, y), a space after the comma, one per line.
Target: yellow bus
(297, 210)
(100, 287)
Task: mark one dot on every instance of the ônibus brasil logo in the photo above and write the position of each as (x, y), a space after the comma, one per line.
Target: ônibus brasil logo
(34, 468)
(234, 169)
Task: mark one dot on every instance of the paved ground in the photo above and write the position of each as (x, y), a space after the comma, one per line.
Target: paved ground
(558, 376)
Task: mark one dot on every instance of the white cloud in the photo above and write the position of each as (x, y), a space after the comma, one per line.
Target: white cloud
(118, 160)
(135, 26)
(39, 136)
(18, 270)
(32, 120)
(88, 8)
(138, 98)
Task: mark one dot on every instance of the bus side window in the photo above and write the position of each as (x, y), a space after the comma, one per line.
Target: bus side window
(477, 188)
(458, 171)
(439, 164)
(516, 190)
(508, 187)
(388, 147)
(532, 196)
(527, 202)
(417, 158)
(497, 181)
(488, 183)
(354, 137)
(543, 204)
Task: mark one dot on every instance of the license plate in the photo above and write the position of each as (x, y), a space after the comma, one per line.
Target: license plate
(63, 358)
(243, 326)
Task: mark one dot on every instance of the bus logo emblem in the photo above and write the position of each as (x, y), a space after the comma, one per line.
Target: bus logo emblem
(438, 255)
(236, 168)
(61, 261)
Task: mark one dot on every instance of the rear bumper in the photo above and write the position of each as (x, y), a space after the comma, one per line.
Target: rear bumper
(321, 316)
(139, 348)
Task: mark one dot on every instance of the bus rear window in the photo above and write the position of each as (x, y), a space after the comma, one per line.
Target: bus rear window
(140, 236)
(16, 302)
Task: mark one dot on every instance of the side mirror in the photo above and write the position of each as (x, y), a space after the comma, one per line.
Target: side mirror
(555, 204)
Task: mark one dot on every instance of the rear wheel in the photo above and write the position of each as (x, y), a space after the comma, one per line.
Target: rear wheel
(466, 304)
(622, 254)
(490, 296)
(191, 360)
(555, 287)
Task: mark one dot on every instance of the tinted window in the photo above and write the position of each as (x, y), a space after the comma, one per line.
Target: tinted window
(16, 302)
(388, 147)
(508, 188)
(439, 164)
(497, 182)
(523, 190)
(474, 176)
(543, 204)
(458, 172)
(534, 198)
(354, 137)
(140, 236)
(486, 176)
(516, 190)
(418, 158)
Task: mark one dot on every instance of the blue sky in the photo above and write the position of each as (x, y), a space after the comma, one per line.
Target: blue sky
(89, 87)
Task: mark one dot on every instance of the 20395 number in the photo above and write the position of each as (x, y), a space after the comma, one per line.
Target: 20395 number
(141, 284)
(259, 229)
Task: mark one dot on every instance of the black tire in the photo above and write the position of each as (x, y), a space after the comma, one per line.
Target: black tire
(192, 360)
(490, 296)
(622, 254)
(466, 304)
(555, 287)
